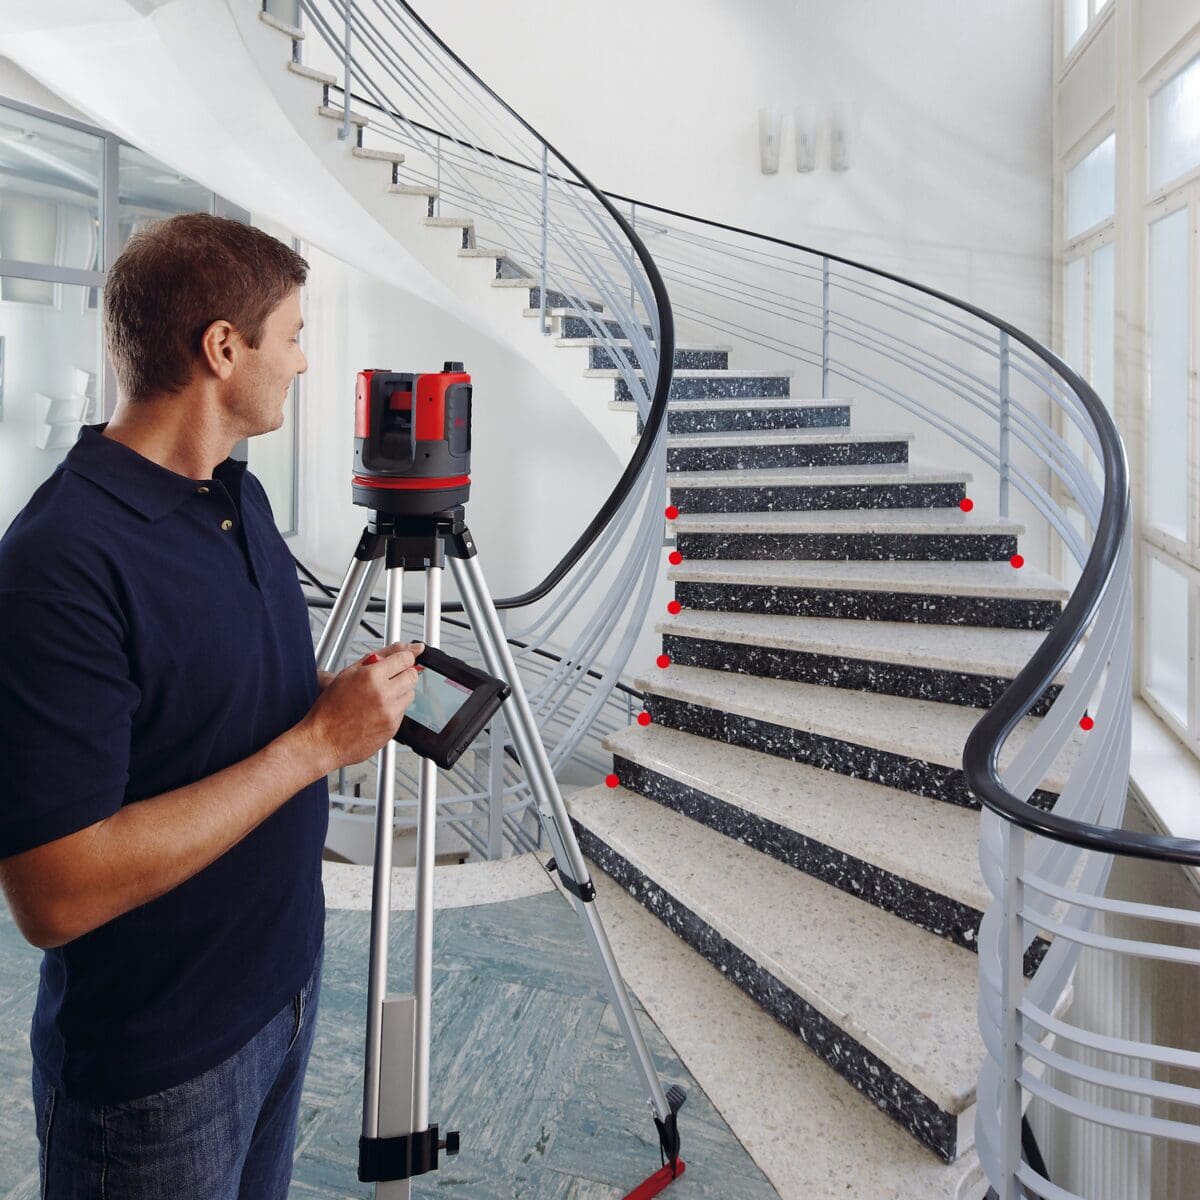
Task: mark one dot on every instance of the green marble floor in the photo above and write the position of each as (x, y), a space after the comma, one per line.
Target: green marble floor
(527, 1062)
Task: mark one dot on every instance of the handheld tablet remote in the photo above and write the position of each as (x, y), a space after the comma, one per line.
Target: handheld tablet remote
(453, 702)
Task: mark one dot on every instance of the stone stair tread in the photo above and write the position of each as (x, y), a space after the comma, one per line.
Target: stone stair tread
(337, 114)
(989, 579)
(976, 651)
(292, 31)
(624, 343)
(696, 373)
(450, 222)
(412, 189)
(809, 1131)
(822, 475)
(846, 520)
(776, 437)
(369, 152)
(482, 252)
(735, 402)
(906, 995)
(926, 730)
(930, 843)
(303, 68)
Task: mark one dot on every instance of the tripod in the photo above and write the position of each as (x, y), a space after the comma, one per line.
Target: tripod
(397, 1140)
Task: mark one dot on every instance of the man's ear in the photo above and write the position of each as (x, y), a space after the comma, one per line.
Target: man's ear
(219, 346)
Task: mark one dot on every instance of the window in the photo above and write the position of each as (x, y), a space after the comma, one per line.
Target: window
(54, 227)
(1078, 15)
(1175, 126)
(1091, 188)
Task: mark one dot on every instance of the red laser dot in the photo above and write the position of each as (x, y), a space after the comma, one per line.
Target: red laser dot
(663, 660)
(1017, 560)
(643, 718)
(672, 512)
(611, 780)
(673, 606)
(1086, 722)
(675, 558)
(966, 504)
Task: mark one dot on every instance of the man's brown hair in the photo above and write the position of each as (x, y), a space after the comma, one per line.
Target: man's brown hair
(177, 276)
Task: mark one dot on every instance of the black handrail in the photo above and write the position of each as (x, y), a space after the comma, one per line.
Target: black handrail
(666, 348)
(982, 748)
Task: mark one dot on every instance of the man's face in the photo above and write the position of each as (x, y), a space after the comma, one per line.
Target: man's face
(271, 368)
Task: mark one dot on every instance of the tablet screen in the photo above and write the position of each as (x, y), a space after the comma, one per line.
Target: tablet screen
(436, 700)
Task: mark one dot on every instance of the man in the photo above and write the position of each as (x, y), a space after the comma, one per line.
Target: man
(165, 742)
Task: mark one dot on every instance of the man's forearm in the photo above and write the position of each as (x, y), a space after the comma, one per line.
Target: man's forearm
(153, 845)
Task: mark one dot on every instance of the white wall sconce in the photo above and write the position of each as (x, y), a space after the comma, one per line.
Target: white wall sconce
(805, 118)
(770, 126)
(843, 131)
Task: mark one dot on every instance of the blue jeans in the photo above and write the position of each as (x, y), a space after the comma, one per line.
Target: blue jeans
(227, 1134)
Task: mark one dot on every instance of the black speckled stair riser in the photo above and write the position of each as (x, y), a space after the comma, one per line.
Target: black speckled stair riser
(723, 387)
(603, 359)
(938, 782)
(920, 1116)
(813, 496)
(991, 612)
(841, 671)
(949, 547)
(560, 300)
(818, 454)
(948, 918)
(580, 327)
(745, 420)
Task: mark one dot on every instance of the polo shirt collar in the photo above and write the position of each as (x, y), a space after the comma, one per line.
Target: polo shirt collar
(144, 486)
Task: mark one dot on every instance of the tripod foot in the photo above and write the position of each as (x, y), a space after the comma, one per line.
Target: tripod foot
(668, 1140)
(657, 1181)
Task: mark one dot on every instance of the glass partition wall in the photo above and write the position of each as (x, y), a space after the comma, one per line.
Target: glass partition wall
(70, 198)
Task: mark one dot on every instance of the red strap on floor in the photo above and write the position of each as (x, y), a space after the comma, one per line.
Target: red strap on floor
(656, 1182)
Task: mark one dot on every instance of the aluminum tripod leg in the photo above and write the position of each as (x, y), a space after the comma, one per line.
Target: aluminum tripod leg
(554, 817)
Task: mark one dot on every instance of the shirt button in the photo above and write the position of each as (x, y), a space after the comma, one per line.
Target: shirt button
(203, 491)
(227, 525)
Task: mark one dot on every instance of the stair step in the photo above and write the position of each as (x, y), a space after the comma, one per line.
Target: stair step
(292, 31)
(887, 1005)
(824, 1138)
(955, 665)
(979, 594)
(895, 533)
(727, 415)
(413, 189)
(600, 343)
(482, 252)
(391, 156)
(311, 73)
(450, 222)
(700, 373)
(336, 114)
(914, 857)
(764, 448)
(823, 486)
(914, 745)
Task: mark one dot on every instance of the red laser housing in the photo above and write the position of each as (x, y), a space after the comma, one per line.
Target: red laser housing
(412, 440)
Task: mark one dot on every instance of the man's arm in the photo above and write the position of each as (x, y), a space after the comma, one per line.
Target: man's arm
(65, 888)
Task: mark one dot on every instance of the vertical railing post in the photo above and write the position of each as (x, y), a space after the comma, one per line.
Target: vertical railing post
(1005, 422)
(824, 328)
(1012, 986)
(344, 132)
(545, 220)
(437, 200)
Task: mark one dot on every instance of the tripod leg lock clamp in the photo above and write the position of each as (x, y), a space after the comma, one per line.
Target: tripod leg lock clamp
(586, 891)
(668, 1130)
(383, 1159)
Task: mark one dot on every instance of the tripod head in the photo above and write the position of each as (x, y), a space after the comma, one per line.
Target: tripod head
(412, 440)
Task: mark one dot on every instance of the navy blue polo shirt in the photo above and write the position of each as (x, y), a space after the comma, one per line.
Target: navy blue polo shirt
(152, 633)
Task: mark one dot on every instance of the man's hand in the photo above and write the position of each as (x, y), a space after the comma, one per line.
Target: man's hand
(324, 678)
